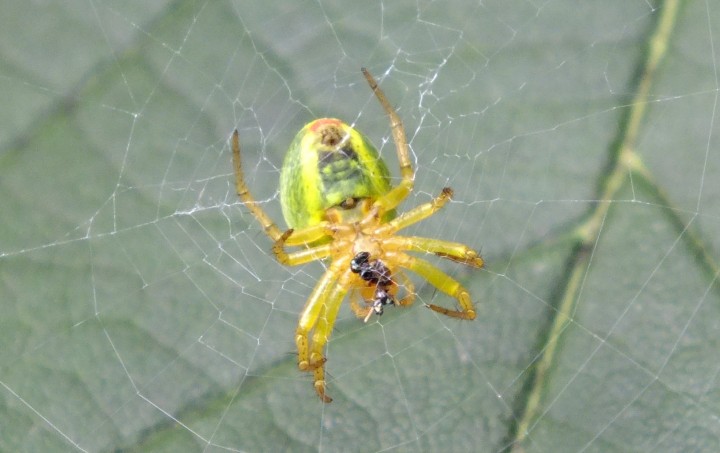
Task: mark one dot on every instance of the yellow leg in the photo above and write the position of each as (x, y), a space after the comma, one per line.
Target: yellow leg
(392, 199)
(305, 237)
(360, 310)
(244, 193)
(418, 213)
(304, 256)
(301, 256)
(311, 311)
(454, 251)
(323, 330)
(399, 193)
(309, 234)
(409, 289)
(444, 283)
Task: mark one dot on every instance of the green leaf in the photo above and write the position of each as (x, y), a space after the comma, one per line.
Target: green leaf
(142, 308)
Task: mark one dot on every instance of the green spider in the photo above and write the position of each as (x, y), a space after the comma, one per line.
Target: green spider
(339, 205)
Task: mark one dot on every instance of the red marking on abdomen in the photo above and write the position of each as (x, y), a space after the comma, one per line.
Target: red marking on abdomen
(324, 121)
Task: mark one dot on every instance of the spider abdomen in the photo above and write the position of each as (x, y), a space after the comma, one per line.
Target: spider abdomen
(327, 164)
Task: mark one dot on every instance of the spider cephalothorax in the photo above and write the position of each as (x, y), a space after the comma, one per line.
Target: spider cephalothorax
(339, 205)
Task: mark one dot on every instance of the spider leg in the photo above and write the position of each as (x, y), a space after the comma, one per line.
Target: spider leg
(399, 193)
(311, 313)
(307, 237)
(323, 330)
(417, 214)
(310, 234)
(454, 251)
(409, 289)
(244, 193)
(361, 311)
(444, 283)
(301, 256)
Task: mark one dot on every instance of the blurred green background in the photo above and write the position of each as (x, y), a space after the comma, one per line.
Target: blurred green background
(142, 309)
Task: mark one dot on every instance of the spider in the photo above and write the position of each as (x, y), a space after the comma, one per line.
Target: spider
(339, 205)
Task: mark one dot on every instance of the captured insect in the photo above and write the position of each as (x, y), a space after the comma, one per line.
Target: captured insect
(339, 205)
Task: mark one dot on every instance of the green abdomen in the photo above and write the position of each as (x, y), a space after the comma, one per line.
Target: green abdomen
(341, 176)
(328, 162)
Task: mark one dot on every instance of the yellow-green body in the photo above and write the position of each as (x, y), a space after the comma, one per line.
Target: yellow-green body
(329, 164)
(337, 200)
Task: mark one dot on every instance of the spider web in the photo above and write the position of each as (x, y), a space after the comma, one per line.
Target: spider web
(142, 308)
